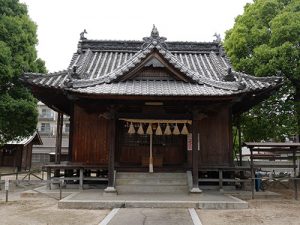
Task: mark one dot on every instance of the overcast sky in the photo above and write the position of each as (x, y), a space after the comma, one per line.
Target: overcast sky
(61, 21)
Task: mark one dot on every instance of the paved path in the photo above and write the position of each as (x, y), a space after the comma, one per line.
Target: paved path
(146, 216)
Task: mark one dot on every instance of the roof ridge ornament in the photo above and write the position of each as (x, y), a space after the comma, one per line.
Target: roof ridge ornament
(229, 76)
(218, 38)
(154, 39)
(82, 37)
(154, 32)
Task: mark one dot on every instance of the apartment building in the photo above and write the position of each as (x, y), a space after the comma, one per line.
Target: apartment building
(47, 127)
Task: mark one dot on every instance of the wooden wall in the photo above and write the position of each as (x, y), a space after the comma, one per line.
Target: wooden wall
(216, 139)
(90, 141)
(27, 156)
(12, 158)
(90, 137)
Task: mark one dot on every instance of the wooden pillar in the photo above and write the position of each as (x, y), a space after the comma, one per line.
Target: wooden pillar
(295, 175)
(242, 174)
(58, 137)
(195, 150)
(240, 141)
(71, 133)
(81, 178)
(111, 162)
(151, 154)
(59, 126)
(252, 172)
(220, 180)
(49, 177)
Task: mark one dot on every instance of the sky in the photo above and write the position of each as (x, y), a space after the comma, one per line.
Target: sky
(61, 21)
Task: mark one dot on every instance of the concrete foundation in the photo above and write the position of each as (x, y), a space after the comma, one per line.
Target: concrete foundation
(96, 199)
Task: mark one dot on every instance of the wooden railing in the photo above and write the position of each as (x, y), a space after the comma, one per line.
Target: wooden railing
(75, 176)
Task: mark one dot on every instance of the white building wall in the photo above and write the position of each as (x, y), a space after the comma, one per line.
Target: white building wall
(47, 127)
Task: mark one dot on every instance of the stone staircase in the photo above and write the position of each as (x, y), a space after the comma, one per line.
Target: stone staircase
(135, 182)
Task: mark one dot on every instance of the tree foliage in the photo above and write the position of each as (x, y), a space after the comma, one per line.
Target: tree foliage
(18, 113)
(265, 41)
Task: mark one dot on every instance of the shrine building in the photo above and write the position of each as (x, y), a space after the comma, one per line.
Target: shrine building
(150, 106)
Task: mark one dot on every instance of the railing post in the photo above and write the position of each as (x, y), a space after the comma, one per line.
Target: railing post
(49, 177)
(252, 173)
(295, 174)
(221, 180)
(81, 179)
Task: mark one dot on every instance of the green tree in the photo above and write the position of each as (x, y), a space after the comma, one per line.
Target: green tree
(18, 113)
(265, 41)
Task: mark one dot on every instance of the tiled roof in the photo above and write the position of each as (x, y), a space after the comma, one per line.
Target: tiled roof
(35, 138)
(97, 67)
(154, 88)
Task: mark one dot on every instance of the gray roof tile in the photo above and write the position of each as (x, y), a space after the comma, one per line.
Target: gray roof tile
(100, 63)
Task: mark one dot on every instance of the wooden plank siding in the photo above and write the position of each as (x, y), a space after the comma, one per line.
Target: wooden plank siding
(90, 141)
(216, 139)
(90, 137)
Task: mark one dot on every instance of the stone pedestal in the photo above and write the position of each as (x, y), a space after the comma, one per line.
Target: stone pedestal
(195, 190)
(110, 191)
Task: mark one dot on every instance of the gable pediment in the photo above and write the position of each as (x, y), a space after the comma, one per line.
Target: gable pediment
(154, 67)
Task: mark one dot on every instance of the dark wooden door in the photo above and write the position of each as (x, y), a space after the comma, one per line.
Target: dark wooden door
(133, 149)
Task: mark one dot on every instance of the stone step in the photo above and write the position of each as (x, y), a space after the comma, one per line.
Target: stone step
(150, 175)
(151, 181)
(151, 189)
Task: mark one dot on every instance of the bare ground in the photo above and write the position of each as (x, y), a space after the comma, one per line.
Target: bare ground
(40, 211)
(43, 211)
(280, 211)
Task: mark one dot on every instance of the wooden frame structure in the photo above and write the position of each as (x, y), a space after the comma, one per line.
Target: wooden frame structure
(150, 80)
(280, 149)
(18, 153)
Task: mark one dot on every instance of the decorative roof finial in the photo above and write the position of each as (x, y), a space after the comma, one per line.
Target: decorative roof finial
(154, 39)
(82, 37)
(218, 38)
(74, 74)
(229, 76)
(154, 32)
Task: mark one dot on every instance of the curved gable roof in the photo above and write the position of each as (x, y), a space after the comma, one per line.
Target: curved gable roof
(100, 65)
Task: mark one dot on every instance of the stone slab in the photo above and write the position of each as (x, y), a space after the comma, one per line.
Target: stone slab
(142, 216)
(95, 200)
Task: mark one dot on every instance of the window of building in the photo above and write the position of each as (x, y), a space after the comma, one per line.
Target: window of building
(45, 127)
(46, 113)
(67, 127)
(40, 158)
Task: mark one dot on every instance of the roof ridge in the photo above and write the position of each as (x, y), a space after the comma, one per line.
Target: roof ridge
(134, 45)
(268, 78)
(30, 75)
(140, 41)
(51, 74)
